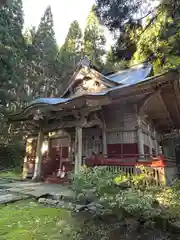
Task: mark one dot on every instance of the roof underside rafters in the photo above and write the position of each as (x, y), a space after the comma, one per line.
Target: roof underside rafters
(59, 108)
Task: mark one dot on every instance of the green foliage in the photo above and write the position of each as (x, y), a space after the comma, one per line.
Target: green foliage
(12, 51)
(156, 40)
(113, 64)
(11, 156)
(160, 44)
(11, 21)
(169, 199)
(119, 194)
(28, 220)
(70, 52)
(13, 174)
(115, 13)
(44, 59)
(94, 40)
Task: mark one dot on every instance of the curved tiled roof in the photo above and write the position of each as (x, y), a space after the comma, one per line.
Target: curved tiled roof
(125, 78)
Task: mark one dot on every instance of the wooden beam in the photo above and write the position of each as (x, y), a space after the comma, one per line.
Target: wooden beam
(145, 100)
(148, 97)
(165, 108)
(176, 89)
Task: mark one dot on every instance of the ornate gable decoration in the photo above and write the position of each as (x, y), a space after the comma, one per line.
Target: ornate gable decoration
(87, 85)
(87, 80)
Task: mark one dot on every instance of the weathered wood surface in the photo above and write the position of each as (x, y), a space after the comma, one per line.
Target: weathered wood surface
(38, 161)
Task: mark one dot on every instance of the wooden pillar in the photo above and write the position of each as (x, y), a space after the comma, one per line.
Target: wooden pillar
(38, 161)
(156, 143)
(104, 140)
(140, 139)
(70, 157)
(150, 141)
(49, 147)
(25, 169)
(78, 149)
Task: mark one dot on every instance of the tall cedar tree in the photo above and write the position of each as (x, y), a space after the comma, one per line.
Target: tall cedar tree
(11, 51)
(70, 52)
(94, 40)
(45, 56)
(11, 63)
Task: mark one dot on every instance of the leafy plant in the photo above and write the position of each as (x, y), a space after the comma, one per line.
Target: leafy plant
(119, 194)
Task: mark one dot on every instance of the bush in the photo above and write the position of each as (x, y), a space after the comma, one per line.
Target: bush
(117, 193)
(169, 199)
(11, 156)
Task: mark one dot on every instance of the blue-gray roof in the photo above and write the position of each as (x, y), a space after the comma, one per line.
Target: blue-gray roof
(132, 75)
(128, 77)
(50, 101)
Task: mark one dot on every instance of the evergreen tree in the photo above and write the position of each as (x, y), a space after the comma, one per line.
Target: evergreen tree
(160, 44)
(113, 64)
(94, 40)
(45, 56)
(11, 50)
(126, 44)
(73, 39)
(157, 41)
(70, 52)
(11, 62)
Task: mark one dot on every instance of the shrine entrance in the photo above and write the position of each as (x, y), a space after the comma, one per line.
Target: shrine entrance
(92, 141)
(57, 154)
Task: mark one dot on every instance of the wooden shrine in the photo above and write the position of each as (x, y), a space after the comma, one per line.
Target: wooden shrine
(114, 120)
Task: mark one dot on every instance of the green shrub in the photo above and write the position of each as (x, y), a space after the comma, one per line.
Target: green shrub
(11, 156)
(117, 193)
(169, 198)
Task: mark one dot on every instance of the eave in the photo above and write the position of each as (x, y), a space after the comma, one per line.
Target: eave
(120, 94)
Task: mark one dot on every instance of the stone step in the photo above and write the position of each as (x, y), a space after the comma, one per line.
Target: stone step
(10, 197)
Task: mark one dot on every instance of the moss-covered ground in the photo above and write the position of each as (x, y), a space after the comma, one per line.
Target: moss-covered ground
(13, 174)
(30, 221)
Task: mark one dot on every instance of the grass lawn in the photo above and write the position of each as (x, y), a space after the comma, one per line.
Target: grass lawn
(30, 221)
(16, 175)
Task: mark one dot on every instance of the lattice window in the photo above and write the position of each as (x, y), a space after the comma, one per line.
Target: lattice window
(121, 137)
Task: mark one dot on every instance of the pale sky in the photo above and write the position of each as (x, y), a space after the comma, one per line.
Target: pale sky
(64, 12)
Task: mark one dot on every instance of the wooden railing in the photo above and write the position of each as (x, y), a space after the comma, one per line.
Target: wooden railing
(155, 172)
(128, 164)
(127, 160)
(131, 156)
(131, 166)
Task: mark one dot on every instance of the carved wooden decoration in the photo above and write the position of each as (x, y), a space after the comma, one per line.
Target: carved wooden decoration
(87, 85)
(92, 103)
(38, 115)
